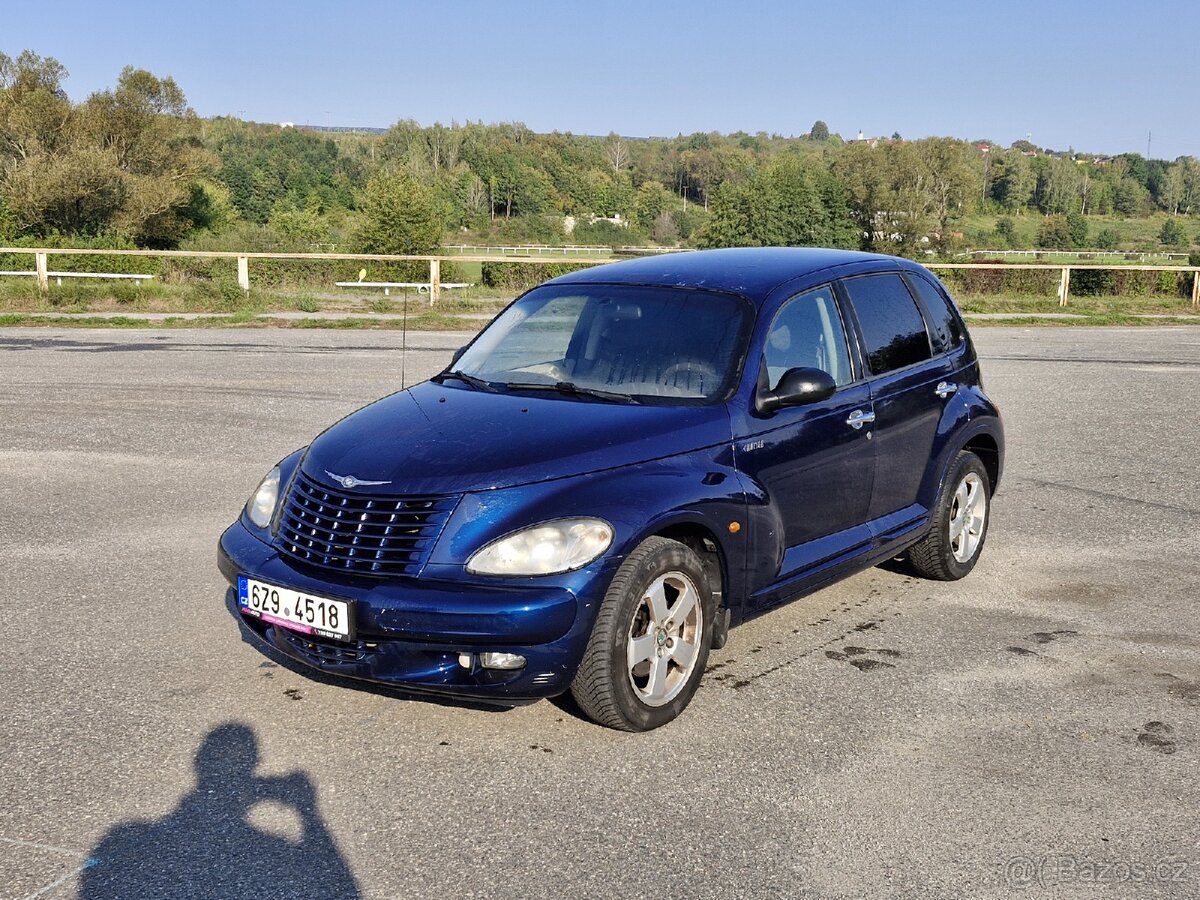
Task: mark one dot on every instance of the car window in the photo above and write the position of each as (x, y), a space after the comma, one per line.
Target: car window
(649, 342)
(944, 324)
(541, 337)
(893, 331)
(807, 331)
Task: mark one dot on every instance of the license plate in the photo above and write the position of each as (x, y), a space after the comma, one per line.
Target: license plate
(295, 610)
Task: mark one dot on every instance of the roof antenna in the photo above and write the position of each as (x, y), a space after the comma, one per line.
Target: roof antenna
(403, 337)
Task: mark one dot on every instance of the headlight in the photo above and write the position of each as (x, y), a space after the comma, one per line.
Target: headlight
(261, 506)
(546, 549)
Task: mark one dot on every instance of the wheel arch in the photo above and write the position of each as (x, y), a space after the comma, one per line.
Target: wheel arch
(987, 449)
(704, 543)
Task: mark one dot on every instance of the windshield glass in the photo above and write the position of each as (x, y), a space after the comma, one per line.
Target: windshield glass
(649, 343)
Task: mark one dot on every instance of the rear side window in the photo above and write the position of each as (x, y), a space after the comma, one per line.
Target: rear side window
(944, 324)
(893, 331)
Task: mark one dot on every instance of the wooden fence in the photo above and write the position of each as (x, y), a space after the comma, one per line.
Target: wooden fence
(242, 261)
(1064, 286)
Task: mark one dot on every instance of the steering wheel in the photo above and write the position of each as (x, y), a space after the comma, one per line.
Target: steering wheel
(693, 367)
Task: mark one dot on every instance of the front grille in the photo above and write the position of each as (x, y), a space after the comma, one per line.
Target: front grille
(355, 532)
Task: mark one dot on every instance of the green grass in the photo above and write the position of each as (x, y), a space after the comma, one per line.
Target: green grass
(22, 296)
(1134, 235)
(424, 322)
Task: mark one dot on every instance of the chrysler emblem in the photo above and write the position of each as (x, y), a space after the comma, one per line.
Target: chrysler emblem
(349, 481)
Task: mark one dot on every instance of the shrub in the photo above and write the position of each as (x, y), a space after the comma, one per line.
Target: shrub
(1055, 233)
(1172, 234)
(522, 276)
(1092, 282)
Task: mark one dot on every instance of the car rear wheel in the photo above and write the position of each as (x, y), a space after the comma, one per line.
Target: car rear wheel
(650, 643)
(960, 523)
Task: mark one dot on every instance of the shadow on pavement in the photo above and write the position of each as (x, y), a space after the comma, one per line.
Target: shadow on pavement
(208, 847)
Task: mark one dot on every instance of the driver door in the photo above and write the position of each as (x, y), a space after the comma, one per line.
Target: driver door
(815, 463)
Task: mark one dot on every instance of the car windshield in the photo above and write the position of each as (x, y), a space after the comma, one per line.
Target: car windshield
(614, 342)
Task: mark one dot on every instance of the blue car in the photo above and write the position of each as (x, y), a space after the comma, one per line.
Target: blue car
(627, 461)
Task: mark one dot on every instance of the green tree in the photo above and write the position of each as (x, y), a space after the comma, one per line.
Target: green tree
(153, 138)
(792, 204)
(1172, 234)
(1078, 227)
(1107, 239)
(1059, 186)
(398, 214)
(1006, 232)
(1013, 181)
(819, 131)
(1130, 198)
(740, 216)
(128, 160)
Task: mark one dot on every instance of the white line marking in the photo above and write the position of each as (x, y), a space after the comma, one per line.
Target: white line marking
(60, 881)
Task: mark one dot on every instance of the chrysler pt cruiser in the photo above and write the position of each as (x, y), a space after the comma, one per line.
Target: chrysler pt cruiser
(626, 462)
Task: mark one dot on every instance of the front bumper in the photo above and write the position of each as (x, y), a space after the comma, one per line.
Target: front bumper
(410, 633)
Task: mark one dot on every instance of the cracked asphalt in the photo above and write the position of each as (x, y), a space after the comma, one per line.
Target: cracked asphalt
(1032, 730)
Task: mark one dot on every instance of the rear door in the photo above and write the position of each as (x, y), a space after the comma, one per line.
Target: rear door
(905, 379)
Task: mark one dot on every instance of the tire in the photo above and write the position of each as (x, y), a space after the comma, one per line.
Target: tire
(960, 522)
(636, 674)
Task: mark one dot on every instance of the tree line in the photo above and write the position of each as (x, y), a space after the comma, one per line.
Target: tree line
(135, 165)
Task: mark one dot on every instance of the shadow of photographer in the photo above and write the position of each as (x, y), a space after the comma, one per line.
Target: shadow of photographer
(211, 847)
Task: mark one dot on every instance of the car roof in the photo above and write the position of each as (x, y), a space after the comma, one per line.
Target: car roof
(752, 272)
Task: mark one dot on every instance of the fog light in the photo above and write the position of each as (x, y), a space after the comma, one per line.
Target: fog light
(502, 660)
(464, 660)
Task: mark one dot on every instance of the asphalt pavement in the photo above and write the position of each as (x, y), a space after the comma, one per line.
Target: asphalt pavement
(1032, 730)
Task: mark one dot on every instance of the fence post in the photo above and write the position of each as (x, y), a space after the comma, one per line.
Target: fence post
(1064, 289)
(243, 270)
(43, 279)
(435, 281)
(1196, 288)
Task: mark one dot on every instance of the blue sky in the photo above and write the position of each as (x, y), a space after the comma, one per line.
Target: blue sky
(1096, 75)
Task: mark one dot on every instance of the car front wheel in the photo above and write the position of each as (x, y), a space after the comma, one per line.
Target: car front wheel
(650, 643)
(960, 523)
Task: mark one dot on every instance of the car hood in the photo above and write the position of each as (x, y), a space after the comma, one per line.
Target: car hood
(436, 439)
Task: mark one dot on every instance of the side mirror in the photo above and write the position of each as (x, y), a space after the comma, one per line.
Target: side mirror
(457, 355)
(797, 387)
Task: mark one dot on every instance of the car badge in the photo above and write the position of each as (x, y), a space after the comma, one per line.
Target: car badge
(349, 481)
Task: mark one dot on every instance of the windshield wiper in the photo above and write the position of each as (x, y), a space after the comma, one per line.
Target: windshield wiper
(574, 390)
(478, 383)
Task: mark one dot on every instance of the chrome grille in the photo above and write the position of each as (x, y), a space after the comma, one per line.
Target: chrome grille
(356, 532)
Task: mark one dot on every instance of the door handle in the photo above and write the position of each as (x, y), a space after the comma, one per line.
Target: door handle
(858, 419)
(945, 389)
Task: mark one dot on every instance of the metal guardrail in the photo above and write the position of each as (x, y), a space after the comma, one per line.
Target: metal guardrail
(41, 255)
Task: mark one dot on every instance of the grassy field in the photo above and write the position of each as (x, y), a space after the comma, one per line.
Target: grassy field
(1134, 235)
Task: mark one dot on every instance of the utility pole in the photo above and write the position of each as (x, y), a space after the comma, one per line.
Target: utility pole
(1149, 134)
